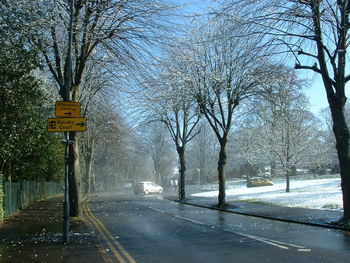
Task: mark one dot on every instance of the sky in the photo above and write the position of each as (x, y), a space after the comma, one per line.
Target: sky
(317, 96)
(316, 92)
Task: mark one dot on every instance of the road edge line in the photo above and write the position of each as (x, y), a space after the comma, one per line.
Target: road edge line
(109, 238)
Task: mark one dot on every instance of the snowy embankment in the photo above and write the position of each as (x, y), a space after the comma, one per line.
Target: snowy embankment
(316, 194)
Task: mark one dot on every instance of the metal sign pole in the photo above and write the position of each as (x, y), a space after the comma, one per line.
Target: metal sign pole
(68, 87)
(66, 193)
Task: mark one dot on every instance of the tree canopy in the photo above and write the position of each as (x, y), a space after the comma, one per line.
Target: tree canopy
(27, 150)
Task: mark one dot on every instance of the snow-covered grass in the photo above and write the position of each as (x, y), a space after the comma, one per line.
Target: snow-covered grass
(316, 193)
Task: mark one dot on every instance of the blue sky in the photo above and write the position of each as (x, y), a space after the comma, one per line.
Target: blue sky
(316, 91)
(317, 95)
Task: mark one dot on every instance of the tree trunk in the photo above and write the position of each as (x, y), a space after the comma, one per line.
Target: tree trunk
(336, 97)
(202, 171)
(91, 182)
(156, 163)
(89, 156)
(287, 181)
(222, 172)
(341, 132)
(85, 179)
(89, 187)
(74, 177)
(272, 169)
(247, 171)
(181, 153)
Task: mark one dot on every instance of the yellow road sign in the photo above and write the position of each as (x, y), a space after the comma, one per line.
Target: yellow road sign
(67, 109)
(66, 124)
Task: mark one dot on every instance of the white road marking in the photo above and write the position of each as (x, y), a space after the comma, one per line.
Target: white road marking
(261, 239)
(272, 242)
(155, 209)
(190, 220)
(267, 239)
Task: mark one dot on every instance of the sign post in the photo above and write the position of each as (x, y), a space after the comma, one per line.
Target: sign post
(66, 191)
(66, 124)
(67, 109)
(68, 120)
(65, 93)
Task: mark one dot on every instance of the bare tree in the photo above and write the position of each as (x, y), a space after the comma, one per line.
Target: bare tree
(157, 145)
(168, 98)
(105, 124)
(222, 73)
(247, 149)
(173, 105)
(121, 158)
(322, 154)
(288, 132)
(203, 153)
(316, 32)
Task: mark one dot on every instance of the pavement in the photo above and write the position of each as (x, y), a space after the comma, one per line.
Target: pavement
(315, 217)
(35, 233)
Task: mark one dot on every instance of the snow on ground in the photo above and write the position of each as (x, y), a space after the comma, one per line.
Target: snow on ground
(316, 193)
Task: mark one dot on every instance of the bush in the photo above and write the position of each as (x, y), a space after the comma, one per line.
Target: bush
(27, 150)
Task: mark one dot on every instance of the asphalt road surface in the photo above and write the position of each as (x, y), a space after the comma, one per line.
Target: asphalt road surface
(151, 229)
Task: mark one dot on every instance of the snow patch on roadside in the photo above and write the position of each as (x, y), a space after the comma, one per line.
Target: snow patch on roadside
(316, 194)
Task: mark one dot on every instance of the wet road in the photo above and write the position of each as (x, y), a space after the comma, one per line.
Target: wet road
(150, 229)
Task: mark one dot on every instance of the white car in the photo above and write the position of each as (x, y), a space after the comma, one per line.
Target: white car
(147, 188)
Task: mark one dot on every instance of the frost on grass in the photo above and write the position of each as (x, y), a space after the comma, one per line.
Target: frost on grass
(315, 194)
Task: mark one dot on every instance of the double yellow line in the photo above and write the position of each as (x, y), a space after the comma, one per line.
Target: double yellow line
(120, 254)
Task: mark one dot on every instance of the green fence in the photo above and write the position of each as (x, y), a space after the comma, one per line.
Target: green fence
(20, 194)
(1, 200)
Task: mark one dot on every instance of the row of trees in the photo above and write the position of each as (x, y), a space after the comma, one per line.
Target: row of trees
(284, 131)
(222, 63)
(209, 79)
(315, 33)
(215, 75)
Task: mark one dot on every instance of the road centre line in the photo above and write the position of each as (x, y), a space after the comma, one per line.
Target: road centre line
(190, 220)
(268, 240)
(283, 243)
(180, 217)
(155, 209)
(272, 242)
(264, 240)
(108, 237)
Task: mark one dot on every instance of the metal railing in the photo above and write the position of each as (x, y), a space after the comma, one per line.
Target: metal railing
(17, 195)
